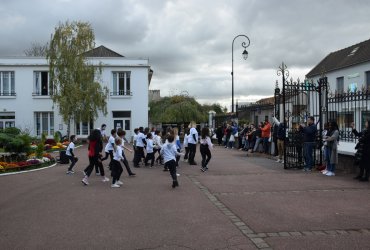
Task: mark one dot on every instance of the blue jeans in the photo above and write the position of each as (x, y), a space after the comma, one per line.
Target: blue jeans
(258, 141)
(329, 166)
(308, 148)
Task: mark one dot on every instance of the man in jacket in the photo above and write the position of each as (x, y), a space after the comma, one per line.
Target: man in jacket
(309, 138)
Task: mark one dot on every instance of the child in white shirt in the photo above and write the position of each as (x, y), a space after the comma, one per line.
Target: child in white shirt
(116, 167)
(169, 153)
(205, 146)
(149, 150)
(70, 155)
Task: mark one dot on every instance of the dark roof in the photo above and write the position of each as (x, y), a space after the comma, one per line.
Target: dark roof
(355, 54)
(102, 51)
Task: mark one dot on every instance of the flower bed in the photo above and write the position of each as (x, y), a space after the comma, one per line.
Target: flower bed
(6, 167)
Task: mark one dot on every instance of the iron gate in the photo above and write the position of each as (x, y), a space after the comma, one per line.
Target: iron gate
(294, 104)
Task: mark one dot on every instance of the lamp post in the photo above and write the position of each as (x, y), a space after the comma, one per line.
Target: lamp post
(245, 56)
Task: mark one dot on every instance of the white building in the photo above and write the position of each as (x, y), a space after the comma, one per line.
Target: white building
(25, 101)
(348, 75)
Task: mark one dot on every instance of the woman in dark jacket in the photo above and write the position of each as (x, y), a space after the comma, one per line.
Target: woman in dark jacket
(362, 156)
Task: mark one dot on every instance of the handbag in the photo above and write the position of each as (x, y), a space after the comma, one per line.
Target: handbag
(236, 134)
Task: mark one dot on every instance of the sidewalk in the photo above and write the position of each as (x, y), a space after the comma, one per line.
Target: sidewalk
(240, 203)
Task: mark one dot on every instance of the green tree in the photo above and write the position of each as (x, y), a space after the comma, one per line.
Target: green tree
(215, 107)
(73, 79)
(177, 109)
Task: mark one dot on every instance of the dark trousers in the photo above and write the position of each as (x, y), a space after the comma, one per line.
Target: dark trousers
(110, 153)
(117, 170)
(139, 154)
(171, 165)
(127, 166)
(94, 161)
(159, 158)
(73, 162)
(186, 156)
(266, 145)
(192, 151)
(364, 168)
(308, 150)
(206, 154)
(149, 156)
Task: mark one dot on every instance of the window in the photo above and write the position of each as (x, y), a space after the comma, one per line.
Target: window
(7, 120)
(41, 83)
(340, 85)
(121, 83)
(345, 119)
(44, 123)
(367, 79)
(7, 83)
(84, 128)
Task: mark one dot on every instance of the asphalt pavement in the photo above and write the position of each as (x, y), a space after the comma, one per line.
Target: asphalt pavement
(241, 202)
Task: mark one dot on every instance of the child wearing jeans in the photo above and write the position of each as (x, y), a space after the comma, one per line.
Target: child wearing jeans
(116, 167)
(169, 153)
(70, 155)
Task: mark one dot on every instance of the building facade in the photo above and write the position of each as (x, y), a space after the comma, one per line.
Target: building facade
(348, 76)
(25, 100)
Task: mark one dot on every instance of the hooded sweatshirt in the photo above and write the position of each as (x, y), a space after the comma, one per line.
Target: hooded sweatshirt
(169, 152)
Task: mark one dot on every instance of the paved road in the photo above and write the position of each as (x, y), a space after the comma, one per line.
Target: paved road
(240, 203)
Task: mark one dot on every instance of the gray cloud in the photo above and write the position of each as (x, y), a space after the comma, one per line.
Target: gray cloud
(189, 42)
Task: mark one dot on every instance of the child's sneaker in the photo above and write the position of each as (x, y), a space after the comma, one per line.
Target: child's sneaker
(115, 185)
(119, 183)
(105, 179)
(84, 181)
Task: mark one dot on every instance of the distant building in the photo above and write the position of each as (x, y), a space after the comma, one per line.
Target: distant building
(258, 111)
(26, 103)
(154, 95)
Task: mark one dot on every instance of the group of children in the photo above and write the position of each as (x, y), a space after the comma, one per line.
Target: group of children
(169, 153)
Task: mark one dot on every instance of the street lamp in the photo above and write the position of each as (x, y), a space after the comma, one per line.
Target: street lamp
(245, 56)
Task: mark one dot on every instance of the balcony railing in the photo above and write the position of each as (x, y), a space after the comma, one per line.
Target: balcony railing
(121, 93)
(8, 94)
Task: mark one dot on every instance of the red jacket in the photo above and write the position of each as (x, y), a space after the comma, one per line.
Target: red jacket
(266, 130)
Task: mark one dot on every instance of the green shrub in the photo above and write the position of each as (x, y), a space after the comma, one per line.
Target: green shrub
(15, 141)
(12, 131)
(57, 137)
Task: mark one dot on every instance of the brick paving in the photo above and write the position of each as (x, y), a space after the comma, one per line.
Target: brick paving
(242, 202)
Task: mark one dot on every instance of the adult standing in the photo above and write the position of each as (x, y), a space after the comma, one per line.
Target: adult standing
(362, 155)
(192, 142)
(280, 135)
(219, 134)
(332, 148)
(309, 138)
(266, 130)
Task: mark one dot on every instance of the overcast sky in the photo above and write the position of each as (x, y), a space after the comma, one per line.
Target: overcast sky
(189, 42)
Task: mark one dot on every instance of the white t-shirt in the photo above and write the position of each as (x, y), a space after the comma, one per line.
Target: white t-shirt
(70, 146)
(157, 141)
(193, 131)
(149, 146)
(117, 155)
(109, 144)
(186, 137)
(206, 141)
(139, 140)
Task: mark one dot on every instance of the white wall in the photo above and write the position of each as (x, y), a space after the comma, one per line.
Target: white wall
(24, 104)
